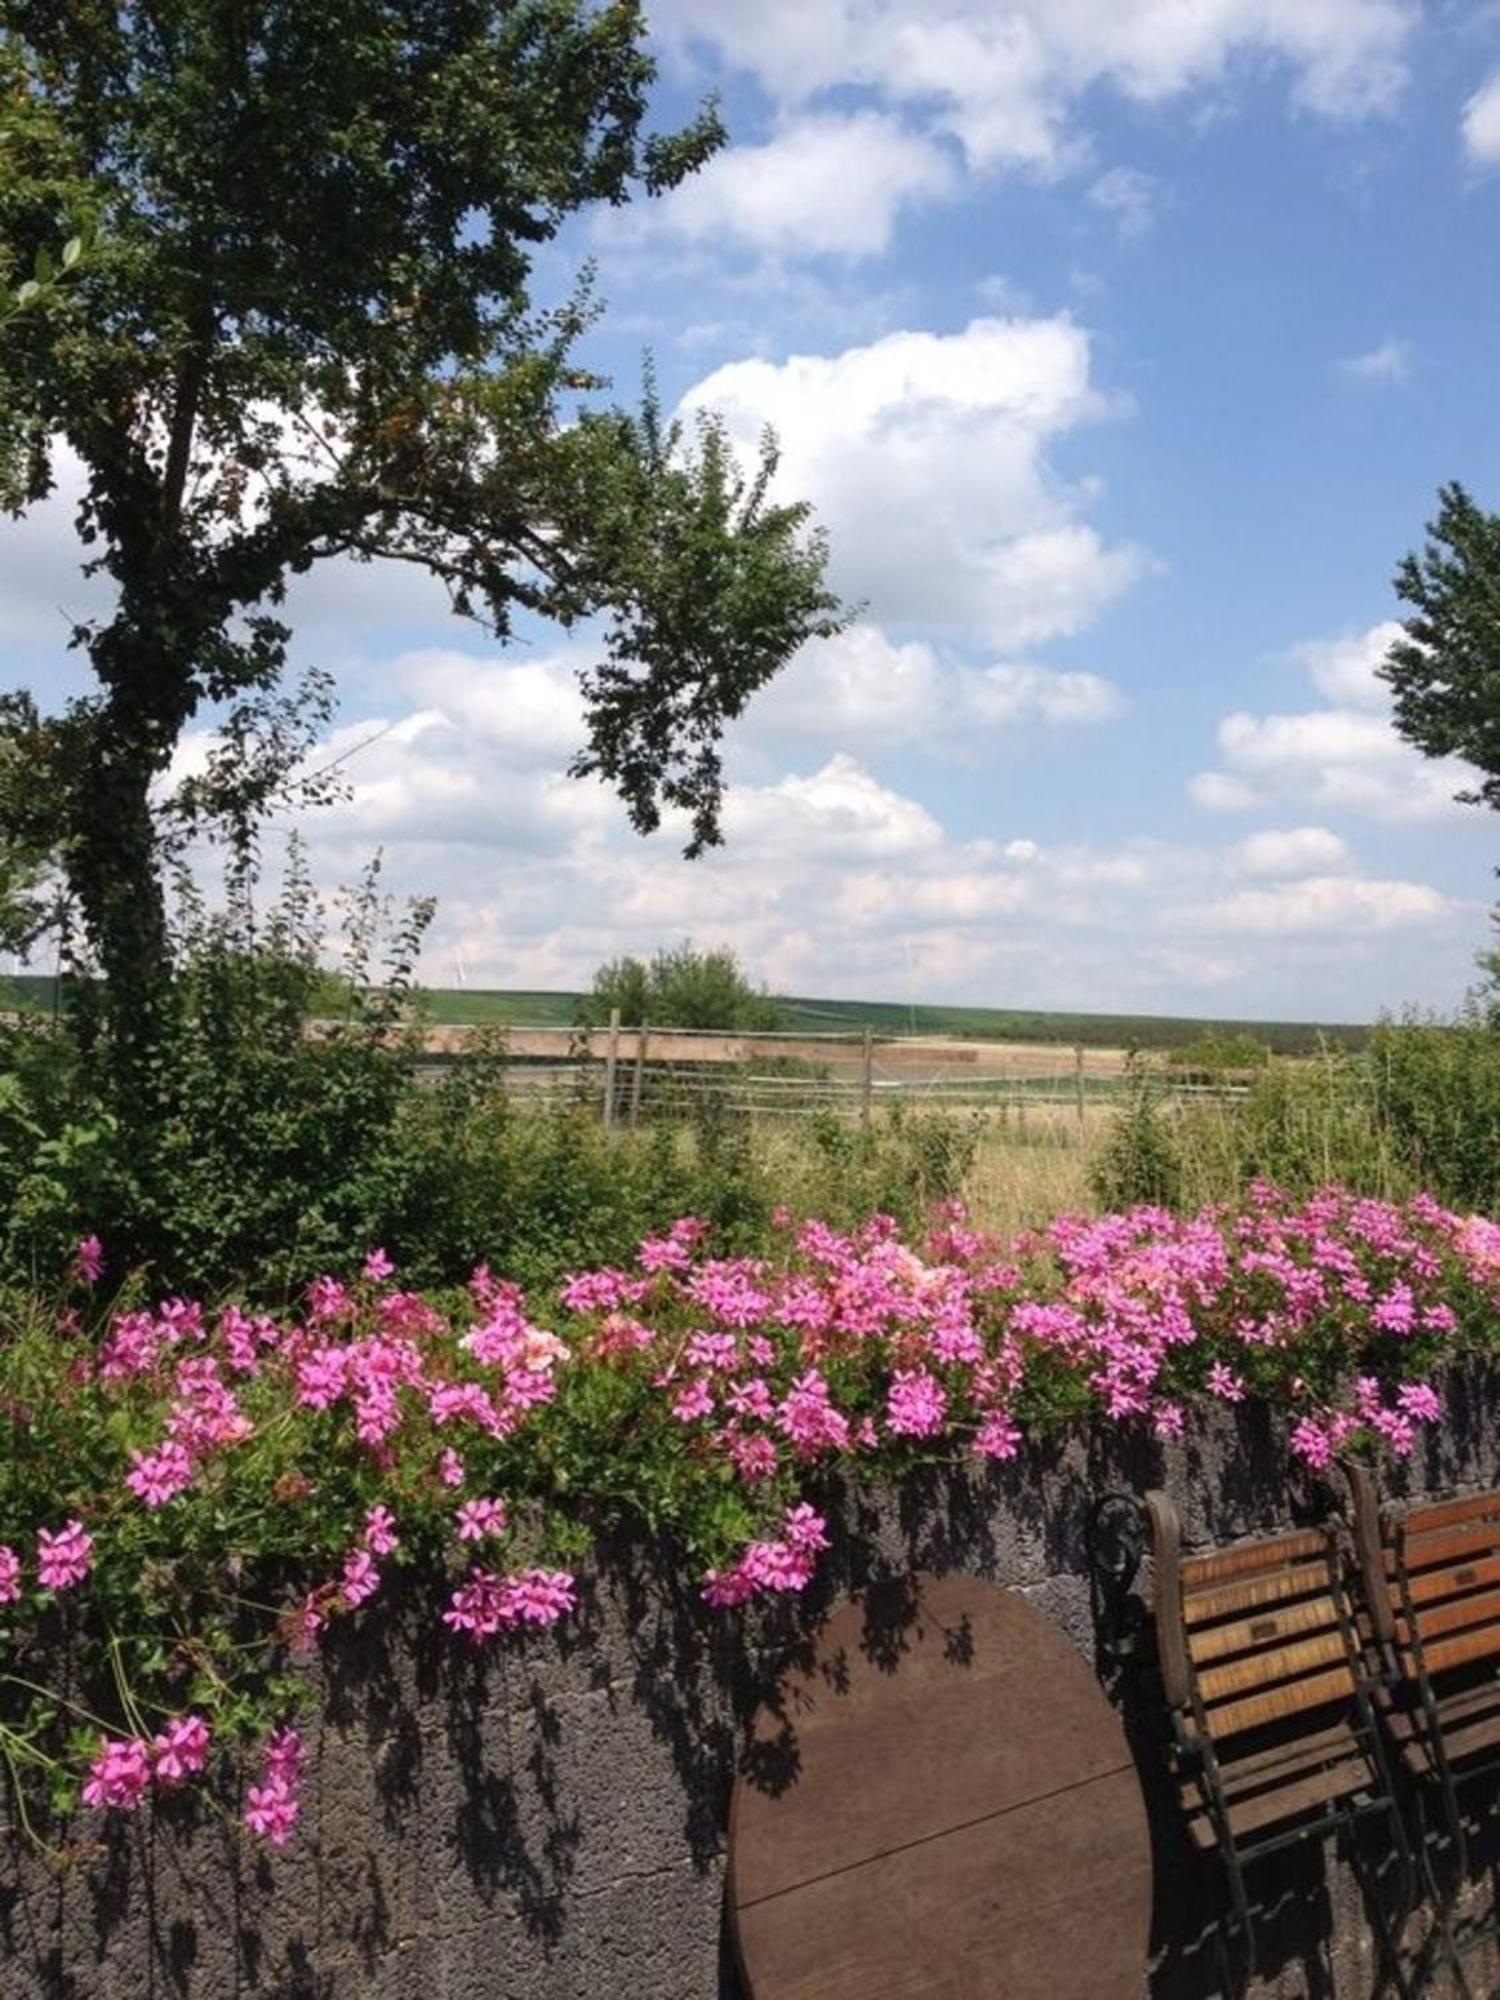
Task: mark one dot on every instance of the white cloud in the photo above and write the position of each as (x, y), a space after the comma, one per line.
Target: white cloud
(1005, 79)
(1325, 905)
(1481, 124)
(926, 457)
(1344, 669)
(834, 879)
(1344, 758)
(1297, 850)
(1218, 791)
(1382, 366)
(827, 184)
(1129, 196)
(862, 691)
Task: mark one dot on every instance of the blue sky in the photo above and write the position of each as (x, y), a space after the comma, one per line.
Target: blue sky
(1122, 350)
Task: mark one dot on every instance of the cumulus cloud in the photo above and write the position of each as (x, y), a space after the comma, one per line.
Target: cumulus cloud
(1325, 905)
(1481, 124)
(1297, 850)
(833, 878)
(1346, 669)
(1129, 196)
(1220, 792)
(866, 692)
(1006, 80)
(1382, 367)
(926, 456)
(1346, 757)
(826, 184)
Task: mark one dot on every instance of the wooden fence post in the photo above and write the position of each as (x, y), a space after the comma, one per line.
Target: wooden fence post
(1078, 1083)
(611, 1064)
(642, 1036)
(867, 1079)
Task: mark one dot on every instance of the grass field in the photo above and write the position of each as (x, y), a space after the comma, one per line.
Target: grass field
(473, 1007)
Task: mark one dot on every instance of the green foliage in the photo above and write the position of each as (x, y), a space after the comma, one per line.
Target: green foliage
(1141, 1160)
(679, 988)
(307, 331)
(1445, 673)
(1436, 1090)
(1215, 1055)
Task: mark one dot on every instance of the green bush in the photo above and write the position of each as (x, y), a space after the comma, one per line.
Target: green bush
(680, 988)
(1141, 1160)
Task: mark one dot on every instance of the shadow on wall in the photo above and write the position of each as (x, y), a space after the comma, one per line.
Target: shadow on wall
(547, 1821)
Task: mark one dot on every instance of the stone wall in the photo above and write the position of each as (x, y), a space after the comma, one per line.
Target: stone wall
(546, 1822)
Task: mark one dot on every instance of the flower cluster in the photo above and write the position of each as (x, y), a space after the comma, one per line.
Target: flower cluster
(375, 1427)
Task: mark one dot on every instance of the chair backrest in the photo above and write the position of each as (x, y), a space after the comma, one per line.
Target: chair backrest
(1250, 1636)
(1431, 1577)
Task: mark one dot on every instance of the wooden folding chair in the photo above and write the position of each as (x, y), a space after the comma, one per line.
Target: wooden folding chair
(1432, 1595)
(1274, 1736)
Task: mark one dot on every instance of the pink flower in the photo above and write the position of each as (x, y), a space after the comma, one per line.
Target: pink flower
(451, 1468)
(489, 1602)
(120, 1774)
(271, 1807)
(159, 1476)
(361, 1579)
(804, 1527)
(998, 1436)
(378, 1266)
(10, 1574)
(1224, 1382)
(480, 1518)
(88, 1260)
(916, 1404)
(63, 1558)
(180, 1749)
(1420, 1401)
(380, 1536)
(696, 1400)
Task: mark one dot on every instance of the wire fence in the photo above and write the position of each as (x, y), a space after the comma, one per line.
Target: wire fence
(633, 1075)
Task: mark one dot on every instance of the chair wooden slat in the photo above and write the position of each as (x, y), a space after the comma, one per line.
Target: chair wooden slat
(1227, 1599)
(1449, 1513)
(1264, 1670)
(1452, 1614)
(1449, 1545)
(1228, 1564)
(1438, 1584)
(1216, 1642)
(1287, 1802)
(1277, 1704)
(1461, 1650)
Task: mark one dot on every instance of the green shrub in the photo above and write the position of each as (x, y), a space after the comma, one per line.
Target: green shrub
(1141, 1160)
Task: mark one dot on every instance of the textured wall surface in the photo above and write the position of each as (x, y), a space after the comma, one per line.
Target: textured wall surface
(546, 1822)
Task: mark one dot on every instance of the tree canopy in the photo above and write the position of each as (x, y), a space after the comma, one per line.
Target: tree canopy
(679, 988)
(306, 330)
(1444, 673)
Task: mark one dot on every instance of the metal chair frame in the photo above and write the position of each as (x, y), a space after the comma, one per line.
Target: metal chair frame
(1376, 1530)
(1196, 1759)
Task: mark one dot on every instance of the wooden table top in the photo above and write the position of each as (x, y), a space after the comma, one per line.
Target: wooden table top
(939, 1801)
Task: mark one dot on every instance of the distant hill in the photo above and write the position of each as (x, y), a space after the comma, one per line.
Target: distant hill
(471, 1006)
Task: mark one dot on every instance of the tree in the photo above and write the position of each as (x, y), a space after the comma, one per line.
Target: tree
(680, 988)
(306, 330)
(1445, 673)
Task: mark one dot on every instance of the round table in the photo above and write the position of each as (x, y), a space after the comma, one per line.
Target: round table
(940, 1800)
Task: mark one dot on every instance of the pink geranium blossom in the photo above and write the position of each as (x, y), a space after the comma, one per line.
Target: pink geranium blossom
(10, 1574)
(181, 1749)
(63, 1558)
(271, 1806)
(120, 1774)
(478, 1519)
(155, 1477)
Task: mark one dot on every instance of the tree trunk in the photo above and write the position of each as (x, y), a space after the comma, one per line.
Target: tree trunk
(114, 862)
